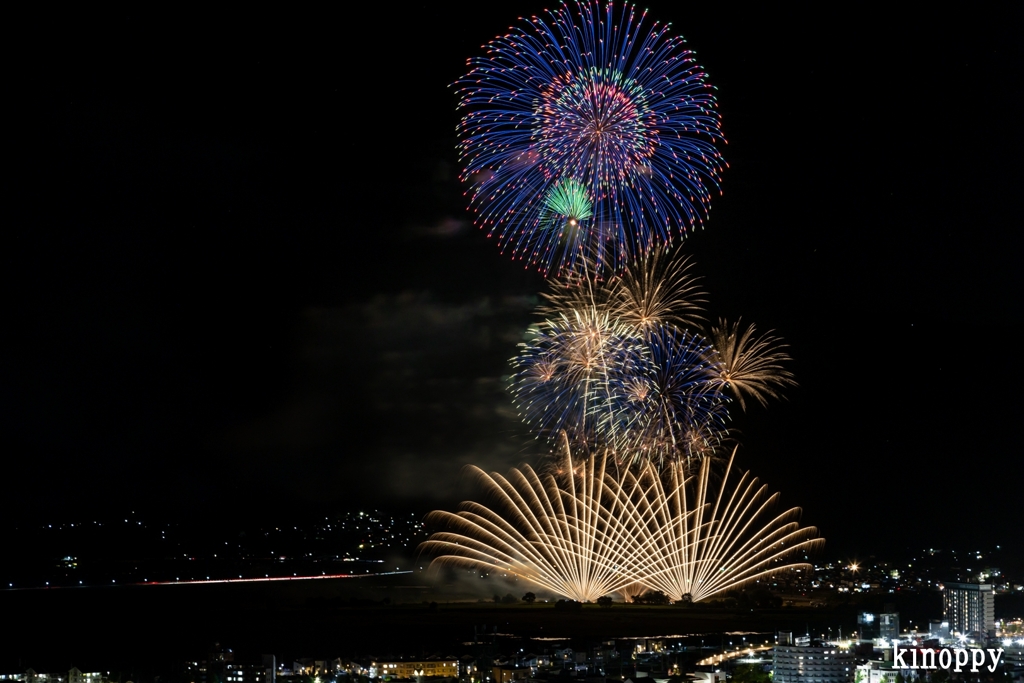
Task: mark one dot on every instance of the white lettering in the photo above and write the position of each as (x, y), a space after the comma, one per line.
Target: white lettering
(977, 659)
(961, 657)
(996, 655)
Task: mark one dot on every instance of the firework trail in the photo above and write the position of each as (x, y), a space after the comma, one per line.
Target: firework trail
(657, 289)
(702, 540)
(583, 532)
(553, 530)
(588, 133)
(748, 365)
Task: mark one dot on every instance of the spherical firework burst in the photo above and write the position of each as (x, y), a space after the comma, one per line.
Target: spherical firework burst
(567, 205)
(592, 104)
(583, 532)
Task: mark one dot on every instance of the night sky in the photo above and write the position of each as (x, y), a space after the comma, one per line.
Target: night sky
(242, 281)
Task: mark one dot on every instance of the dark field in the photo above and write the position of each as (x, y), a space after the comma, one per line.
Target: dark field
(144, 630)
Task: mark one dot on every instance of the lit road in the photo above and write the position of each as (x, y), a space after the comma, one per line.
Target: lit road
(748, 651)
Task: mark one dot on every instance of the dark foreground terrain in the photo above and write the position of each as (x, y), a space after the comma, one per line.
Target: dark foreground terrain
(144, 630)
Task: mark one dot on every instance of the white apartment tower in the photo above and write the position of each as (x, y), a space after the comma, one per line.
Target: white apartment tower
(969, 608)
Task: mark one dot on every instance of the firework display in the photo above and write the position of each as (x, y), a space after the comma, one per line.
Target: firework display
(575, 373)
(589, 143)
(554, 530)
(682, 414)
(588, 133)
(750, 366)
(703, 540)
(623, 364)
(583, 532)
(659, 290)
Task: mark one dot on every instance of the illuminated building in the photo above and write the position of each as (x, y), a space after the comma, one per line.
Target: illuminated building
(938, 629)
(220, 666)
(815, 662)
(415, 669)
(506, 674)
(77, 676)
(1013, 657)
(969, 608)
(877, 672)
(73, 676)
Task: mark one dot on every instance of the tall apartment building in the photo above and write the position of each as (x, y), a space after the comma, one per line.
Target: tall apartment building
(969, 608)
(814, 663)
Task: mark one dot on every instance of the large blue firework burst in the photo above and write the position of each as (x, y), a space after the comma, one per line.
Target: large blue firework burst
(588, 135)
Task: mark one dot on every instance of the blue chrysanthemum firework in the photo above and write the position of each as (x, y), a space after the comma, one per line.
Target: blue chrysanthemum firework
(588, 136)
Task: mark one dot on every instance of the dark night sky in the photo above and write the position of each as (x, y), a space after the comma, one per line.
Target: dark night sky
(241, 280)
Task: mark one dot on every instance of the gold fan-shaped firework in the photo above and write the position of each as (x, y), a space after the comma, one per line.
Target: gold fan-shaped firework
(583, 532)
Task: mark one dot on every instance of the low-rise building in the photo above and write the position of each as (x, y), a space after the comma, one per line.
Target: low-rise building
(425, 668)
